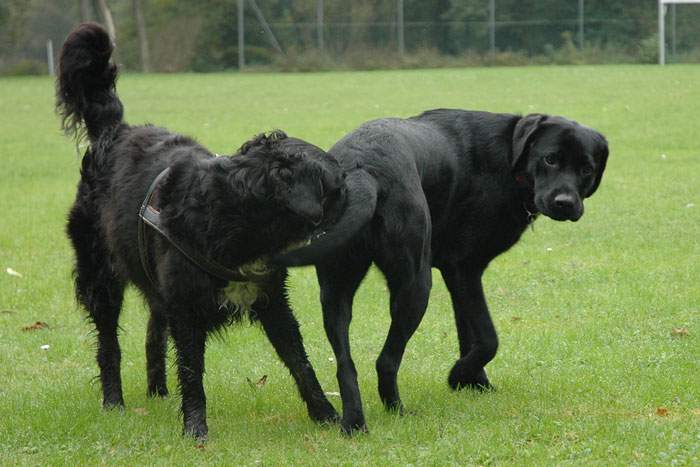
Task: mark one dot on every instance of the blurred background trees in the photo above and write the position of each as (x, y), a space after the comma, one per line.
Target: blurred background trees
(202, 35)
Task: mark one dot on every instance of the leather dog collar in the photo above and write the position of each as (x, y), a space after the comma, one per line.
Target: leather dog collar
(149, 215)
(523, 182)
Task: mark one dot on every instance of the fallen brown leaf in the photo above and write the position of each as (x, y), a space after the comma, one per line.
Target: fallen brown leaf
(35, 327)
(515, 318)
(139, 411)
(259, 383)
(679, 332)
(695, 411)
(661, 411)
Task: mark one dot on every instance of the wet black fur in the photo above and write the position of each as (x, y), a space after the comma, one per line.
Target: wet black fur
(234, 210)
(449, 189)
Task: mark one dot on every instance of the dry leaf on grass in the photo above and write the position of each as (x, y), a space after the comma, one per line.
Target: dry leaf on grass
(515, 318)
(695, 411)
(661, 411)
(35, 327)
(258, 384)
(139, 411)
(679, 332)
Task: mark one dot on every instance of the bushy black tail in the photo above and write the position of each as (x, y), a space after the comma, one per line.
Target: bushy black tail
(86, 97)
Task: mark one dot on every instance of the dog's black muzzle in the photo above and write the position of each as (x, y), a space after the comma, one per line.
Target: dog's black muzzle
(561, 205)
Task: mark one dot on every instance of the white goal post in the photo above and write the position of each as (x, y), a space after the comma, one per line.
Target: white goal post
(662, 26)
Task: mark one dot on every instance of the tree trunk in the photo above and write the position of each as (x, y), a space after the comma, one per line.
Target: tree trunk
(143, 38)
(107, 18)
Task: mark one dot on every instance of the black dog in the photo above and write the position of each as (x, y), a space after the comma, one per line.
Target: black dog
(450, 189)
(230, 211)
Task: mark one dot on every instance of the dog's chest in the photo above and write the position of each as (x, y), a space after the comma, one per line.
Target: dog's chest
(240, 295)
(477, 234)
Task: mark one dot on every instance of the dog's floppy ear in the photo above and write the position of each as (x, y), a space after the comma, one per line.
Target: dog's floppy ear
(601, 159)
(524, 131)
(306, 200)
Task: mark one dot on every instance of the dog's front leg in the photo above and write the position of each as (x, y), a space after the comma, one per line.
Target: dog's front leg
(282, 330)
(478, 341)
(189, 337)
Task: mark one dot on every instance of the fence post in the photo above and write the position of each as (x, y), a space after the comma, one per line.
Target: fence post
(319, 23)
(241, 35)
(580, 24)
(399, 27)
(49, 56)
(662, 33)
(492, 26)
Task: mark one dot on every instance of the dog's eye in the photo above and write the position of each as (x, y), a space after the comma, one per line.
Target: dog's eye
(551, 160)
(586, 170)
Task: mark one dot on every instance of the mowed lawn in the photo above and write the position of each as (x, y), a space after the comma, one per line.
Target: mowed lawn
(599, 321)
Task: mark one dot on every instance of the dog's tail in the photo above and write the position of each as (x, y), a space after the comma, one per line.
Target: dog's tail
(86, 97)
(359, 210)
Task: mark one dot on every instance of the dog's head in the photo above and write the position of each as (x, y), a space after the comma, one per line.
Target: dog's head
(304, 180)
(562, 162)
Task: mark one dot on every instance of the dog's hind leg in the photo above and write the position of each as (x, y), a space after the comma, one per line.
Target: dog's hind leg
(189, 335)
(478, 341)
(282, 329)
(408, 302)
(156, 349)
(406, 263)
(101, 292)
(339, 279)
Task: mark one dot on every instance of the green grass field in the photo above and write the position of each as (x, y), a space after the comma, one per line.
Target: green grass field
(590, 370)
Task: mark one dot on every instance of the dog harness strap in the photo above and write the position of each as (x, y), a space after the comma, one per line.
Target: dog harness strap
(143, 251)
(150, 215)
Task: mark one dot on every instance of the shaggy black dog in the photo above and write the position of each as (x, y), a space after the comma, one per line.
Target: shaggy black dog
(449, 189)
(234, 211)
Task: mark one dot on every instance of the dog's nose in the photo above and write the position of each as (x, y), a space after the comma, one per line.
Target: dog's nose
(564, 201)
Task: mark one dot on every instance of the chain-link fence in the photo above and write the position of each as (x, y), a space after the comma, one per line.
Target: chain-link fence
(321, 34)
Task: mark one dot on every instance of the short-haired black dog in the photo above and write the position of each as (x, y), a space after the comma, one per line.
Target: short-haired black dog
(451, 189)
(231, 211)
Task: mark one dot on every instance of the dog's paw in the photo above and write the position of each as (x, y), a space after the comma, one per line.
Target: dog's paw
(324, 416)
(113, 403)
(196, 430)
(395, 406)
(158, 391)
(353, 428)
(353, 422)
(479, 382)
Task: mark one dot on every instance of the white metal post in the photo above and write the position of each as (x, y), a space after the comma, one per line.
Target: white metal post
(662, 26)
(241, 35)
(49, 56)
(662, 33)
(492, 26)
(319, 23)
(580, 24)
(399, 27)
